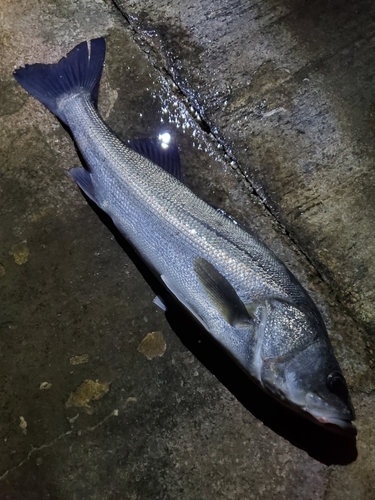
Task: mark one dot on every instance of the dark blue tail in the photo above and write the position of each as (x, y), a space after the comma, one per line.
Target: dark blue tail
(80, 70)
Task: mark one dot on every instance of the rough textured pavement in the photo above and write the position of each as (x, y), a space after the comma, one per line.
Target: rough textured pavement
(272, 105)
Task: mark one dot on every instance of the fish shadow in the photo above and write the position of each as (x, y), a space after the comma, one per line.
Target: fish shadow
(326, 444)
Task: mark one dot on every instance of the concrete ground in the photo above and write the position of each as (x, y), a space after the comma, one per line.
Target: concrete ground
(272, 105)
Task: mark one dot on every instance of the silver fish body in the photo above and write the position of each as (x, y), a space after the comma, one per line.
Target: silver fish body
(227, 279)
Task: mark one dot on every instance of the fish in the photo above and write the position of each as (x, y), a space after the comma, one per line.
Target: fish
(237, 289)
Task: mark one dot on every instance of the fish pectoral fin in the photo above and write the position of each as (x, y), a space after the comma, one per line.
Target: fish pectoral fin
(177, 293)
(221, 293)
(83, 178)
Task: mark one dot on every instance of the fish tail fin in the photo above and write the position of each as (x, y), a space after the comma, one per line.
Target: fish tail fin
(78, 72)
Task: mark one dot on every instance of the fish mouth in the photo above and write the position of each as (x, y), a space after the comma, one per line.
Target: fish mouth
(340, 421)
(321, 414)
(337, 424)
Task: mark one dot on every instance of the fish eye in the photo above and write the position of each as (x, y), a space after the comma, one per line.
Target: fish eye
(336, 384)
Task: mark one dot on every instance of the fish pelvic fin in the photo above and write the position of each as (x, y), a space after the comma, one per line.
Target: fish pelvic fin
(78, 72)
(222, 293)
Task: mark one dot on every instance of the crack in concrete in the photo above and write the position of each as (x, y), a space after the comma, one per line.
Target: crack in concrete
(33, 450)
(227, 155)
(205, 125)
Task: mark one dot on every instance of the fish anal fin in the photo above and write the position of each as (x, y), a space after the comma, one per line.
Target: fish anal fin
(83, 178)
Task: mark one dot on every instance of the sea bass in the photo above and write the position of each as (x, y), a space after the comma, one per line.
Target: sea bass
(234, 286)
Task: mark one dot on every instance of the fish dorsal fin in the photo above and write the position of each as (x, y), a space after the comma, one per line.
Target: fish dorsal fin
(166, 156)
(221, 293)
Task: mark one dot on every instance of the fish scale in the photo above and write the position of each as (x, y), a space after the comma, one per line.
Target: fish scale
(131, 179)
(236, 288)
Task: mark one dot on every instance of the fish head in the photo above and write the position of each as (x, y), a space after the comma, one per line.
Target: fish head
(298, 365)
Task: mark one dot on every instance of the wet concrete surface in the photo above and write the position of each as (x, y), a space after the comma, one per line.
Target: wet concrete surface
(274, 81)
(271, 106)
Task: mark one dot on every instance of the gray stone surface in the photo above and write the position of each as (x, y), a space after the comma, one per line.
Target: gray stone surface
(75, 308)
